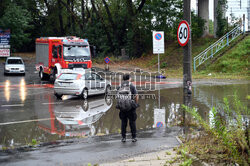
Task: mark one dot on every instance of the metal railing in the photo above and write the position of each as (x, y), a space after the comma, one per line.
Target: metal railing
(218, 45)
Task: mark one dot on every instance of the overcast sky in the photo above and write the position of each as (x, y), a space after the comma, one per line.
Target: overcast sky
(232, 4)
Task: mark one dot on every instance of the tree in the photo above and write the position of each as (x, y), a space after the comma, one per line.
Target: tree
(59, 4)
(18, 21)
(198, 25)
(111, 25)
(221, 21)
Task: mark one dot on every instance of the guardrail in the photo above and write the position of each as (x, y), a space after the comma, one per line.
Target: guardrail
(218, 45)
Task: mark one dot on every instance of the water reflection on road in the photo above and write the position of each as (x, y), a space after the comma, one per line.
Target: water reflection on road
(36, 114)
(22, 90)
(7, 90)
(74, 118)
(21, 87)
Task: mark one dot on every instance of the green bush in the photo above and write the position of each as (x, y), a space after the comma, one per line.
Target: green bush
(197, 26)
(163, 65)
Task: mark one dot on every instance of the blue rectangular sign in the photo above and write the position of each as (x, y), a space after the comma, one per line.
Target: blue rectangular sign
(4, 37)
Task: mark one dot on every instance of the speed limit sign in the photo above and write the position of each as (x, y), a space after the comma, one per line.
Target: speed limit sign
(183, 33)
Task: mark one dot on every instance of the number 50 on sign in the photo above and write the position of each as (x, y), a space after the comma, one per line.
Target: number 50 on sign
(183, 33)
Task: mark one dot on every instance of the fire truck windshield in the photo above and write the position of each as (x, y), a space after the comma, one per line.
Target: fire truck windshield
(74, 52)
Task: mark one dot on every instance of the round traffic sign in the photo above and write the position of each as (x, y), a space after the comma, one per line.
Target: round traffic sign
(107, 60)
(159, 124)
(183, 33)
(158, 36)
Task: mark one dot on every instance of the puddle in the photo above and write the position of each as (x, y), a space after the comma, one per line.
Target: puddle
(43, 118)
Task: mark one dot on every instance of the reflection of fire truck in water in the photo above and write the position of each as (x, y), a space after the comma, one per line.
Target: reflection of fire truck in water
(56, 53)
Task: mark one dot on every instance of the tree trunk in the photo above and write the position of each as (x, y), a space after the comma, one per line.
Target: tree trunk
(83, 15)
(140, 6)
(72, 17)
(60, 17)
(68, 19)
(87, 9)
(72, 14)
(104, 26)
(109, 15)
(130, 8)
(137, 45)
(117, 36)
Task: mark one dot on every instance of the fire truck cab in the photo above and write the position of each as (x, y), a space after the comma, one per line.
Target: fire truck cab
(53, 54)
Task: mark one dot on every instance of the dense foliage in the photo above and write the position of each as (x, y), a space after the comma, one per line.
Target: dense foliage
(111, 25)
(221, 21)
(17, 19)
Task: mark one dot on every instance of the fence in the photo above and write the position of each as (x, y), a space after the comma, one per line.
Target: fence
(218, 45)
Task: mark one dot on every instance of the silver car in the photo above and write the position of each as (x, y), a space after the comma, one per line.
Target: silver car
(82, 84)
(14, 65)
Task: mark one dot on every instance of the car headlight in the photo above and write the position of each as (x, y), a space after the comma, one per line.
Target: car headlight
(7, 68)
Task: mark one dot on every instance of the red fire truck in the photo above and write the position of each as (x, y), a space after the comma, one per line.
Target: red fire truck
(56, 53)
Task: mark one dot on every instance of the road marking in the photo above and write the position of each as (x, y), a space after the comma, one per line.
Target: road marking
(13, 105)
(52, 103)
(26, 121)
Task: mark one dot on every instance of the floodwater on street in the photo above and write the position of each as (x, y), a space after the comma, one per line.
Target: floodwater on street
(32, 114)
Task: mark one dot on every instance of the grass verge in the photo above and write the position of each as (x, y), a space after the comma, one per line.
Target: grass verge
(225, 138)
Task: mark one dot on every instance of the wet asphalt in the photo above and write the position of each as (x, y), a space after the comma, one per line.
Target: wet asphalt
(29, 110)
(94, 150)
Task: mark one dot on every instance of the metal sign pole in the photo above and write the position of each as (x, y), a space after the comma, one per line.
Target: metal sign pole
(160, 78)
(159, 93)
(159, 63)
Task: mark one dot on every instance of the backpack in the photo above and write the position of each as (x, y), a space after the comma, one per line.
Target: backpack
(124, 98)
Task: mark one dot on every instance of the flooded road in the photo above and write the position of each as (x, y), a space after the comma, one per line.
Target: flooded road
(72, 130)
(31, 112)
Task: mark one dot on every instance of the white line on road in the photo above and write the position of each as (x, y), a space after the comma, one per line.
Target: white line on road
(26, 121)
(13, 105)
(51, 103)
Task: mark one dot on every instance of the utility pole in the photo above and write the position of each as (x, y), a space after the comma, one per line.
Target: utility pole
(187, 63)
(187, 58)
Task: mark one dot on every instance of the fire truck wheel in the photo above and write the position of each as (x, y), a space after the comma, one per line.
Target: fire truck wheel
(41, 74)
(54, 72)
(84, 94)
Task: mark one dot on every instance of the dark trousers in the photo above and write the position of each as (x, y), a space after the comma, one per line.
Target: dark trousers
(131, 116)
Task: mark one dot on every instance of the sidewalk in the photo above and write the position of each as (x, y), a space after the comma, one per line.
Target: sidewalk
(159, 158)
(150, 149)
